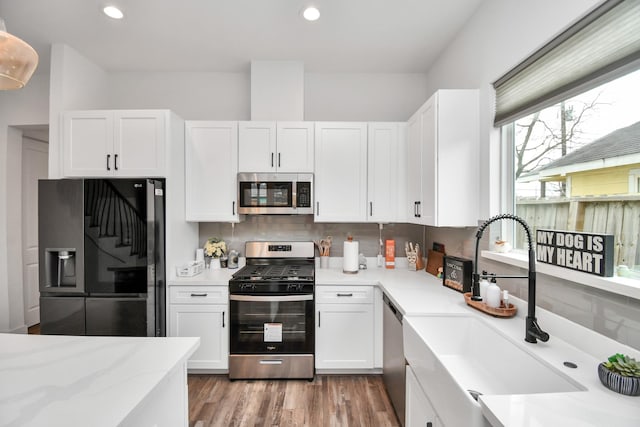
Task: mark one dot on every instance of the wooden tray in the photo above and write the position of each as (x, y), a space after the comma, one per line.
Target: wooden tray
(501, 311)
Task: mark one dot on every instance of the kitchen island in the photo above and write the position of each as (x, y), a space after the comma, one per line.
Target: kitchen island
(48, 380)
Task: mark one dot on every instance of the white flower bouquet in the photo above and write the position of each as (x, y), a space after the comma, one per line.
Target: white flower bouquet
(215, 247)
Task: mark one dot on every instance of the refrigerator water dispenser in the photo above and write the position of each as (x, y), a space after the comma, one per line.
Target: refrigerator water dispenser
(60, 267)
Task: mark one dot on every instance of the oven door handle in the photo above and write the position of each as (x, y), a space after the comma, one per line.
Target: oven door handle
(275, 298)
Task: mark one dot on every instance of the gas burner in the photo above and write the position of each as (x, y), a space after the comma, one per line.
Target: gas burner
(276, 272)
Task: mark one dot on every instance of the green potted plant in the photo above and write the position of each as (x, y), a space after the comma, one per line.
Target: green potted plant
(621, 374)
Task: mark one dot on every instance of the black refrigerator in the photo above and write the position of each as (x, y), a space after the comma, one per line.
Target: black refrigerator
(101, 257)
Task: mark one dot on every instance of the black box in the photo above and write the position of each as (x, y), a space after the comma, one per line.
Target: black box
(457, 273)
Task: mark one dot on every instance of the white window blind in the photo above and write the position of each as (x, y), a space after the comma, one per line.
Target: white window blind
(602, 46)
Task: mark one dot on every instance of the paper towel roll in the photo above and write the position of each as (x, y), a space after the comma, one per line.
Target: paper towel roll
(350, 257)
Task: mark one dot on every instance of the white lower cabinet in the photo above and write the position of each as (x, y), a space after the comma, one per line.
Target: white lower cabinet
(202, 311)
(344, 327)
(418, 411)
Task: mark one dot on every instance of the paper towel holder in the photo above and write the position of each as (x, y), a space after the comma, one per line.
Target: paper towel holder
(350, 264)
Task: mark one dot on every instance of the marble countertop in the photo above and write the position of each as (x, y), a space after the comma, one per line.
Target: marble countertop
(50, 380)
(417, 293)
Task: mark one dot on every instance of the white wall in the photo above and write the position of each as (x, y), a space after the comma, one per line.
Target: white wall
(363, 97)
(500, 35)
(226, 96)
(193, 96)
(76, 84)
(27, 106)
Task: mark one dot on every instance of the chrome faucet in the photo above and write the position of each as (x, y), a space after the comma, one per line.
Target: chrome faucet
(533, 333)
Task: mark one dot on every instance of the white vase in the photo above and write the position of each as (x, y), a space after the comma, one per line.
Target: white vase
(215, 264)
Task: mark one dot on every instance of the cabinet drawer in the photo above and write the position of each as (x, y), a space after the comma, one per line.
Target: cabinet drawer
(198, 295)
(344, 294)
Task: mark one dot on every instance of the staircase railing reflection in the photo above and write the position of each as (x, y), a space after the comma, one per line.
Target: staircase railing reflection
(115, 216)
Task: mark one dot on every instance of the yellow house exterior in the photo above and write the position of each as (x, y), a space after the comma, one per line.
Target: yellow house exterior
(607, 181)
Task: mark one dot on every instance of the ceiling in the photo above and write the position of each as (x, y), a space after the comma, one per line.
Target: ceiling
(371, 36)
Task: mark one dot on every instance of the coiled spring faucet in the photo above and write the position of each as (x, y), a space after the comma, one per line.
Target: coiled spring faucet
(533, 333)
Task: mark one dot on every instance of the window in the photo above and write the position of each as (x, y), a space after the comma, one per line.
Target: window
(577, 166)
(570, 115)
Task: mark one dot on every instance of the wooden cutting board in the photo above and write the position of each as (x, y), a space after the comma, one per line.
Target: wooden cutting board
(434, 261)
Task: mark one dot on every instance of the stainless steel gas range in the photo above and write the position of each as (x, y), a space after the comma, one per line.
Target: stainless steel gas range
(271, 299)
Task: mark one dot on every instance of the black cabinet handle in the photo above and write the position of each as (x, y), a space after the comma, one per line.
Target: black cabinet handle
(233, 208)
(108, 160)
(370, 208)
(318, 208)
(278, 159)
(318, 319)
(271, 159)
(223, 319)
(199, 295)
(345, 295)
(419, 209)
(115, 162)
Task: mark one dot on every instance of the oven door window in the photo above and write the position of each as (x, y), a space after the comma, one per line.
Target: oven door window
(271, 327)
(266, 194)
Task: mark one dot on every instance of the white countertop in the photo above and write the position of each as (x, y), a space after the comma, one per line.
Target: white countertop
(417, 293)
(49, 380)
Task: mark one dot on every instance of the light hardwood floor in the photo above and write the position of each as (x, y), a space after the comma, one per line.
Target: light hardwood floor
(328, 400)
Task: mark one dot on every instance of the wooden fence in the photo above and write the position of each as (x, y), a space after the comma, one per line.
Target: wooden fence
(619, 216)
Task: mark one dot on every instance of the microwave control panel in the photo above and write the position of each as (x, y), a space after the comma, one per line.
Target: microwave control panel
(303, 195)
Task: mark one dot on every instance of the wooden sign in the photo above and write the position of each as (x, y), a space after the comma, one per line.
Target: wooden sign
(585, 252)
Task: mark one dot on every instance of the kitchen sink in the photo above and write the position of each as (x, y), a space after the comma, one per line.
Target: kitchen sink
(458, 357)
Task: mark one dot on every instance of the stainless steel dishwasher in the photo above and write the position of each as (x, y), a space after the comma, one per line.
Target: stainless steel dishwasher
(393, 362)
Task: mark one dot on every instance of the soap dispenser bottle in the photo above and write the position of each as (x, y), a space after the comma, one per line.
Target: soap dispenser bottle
(484, 284)
(493, 294)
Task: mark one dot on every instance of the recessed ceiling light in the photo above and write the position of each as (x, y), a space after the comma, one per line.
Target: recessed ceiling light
(113, 12)
(311, 13)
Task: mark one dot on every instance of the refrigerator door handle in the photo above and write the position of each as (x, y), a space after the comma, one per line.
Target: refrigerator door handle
(151, 273)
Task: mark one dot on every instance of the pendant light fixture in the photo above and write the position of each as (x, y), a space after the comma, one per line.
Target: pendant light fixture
(18, 60)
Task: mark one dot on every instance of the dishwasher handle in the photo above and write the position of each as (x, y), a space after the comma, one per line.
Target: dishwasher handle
(392, 307)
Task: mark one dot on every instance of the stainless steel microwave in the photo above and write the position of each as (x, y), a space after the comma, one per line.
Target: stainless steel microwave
(275, 193)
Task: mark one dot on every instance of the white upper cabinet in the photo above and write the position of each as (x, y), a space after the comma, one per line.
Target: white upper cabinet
(257, 147)
(295, 148)
(414, 166)
(340, 172)
(211, 168)
(387, 175)
(123, 143)
(275, 146)
(443, 151)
